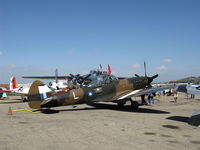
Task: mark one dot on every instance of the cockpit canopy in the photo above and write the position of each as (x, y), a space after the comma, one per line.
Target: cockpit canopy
(99, 78)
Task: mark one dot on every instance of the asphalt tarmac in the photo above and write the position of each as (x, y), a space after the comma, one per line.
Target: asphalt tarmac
(101, 126)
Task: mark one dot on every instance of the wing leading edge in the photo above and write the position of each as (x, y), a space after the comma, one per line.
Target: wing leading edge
(141, 92)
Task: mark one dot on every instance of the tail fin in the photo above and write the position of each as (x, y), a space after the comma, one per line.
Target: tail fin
(13, 84)
(37, 93)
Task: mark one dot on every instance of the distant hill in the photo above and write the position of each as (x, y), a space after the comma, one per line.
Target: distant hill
(195, 80)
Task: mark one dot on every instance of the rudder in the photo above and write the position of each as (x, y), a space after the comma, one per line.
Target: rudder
(37, 93)
(13, 83)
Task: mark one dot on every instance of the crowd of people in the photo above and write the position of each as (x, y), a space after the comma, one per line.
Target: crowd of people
(170, 92)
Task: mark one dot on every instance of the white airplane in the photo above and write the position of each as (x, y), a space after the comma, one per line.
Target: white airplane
(57, 85)
(189, 88)
(195, 90)
(20, 91)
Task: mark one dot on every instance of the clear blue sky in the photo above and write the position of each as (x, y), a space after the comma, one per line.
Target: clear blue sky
(37, 36)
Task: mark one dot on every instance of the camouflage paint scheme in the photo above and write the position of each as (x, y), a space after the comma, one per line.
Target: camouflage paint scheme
(111, 92)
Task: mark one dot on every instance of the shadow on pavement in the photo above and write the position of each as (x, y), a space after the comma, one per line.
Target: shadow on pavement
(96, 106)
(179, 118)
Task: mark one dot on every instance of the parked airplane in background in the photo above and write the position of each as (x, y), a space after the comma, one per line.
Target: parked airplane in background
(14, 90)
(93, 76)
(17, 91)
(60, 84)
(189, 88)
(74, 81)
(193, 89)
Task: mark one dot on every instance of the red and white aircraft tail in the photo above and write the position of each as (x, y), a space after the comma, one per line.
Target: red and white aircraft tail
(13, 84)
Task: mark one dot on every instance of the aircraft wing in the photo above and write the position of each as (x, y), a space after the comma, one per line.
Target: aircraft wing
(48, 77)
(141, 92)
(190, 89)
(5, 91)
(9, 92)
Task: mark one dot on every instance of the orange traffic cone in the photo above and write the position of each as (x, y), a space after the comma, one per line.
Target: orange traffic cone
(10, 112)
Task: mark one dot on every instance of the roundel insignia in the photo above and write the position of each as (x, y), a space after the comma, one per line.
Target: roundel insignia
(90, 94)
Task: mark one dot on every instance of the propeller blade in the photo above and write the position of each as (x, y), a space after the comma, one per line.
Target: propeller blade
(137, 75)
(71, 75)
(155, 76)
(145, 69)
(80, 79)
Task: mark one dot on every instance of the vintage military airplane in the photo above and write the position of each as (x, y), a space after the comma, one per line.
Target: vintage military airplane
(109, 89)
(97, 86)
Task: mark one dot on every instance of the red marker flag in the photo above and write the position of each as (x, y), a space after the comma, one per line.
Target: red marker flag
(109, 70)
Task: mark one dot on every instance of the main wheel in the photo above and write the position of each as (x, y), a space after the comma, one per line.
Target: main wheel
(134, 105)
(24, 98)
(120, 105)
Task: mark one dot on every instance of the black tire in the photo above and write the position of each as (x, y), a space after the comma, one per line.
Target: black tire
(134, 105)
(120, 105)
(25, 99)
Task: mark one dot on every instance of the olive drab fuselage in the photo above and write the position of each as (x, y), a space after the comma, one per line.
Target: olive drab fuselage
(105, 92)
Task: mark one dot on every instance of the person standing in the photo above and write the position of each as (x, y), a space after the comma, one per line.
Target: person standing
(192, 96)
(143, 100)
(149, 98)
(175, 96)
(152, 98)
